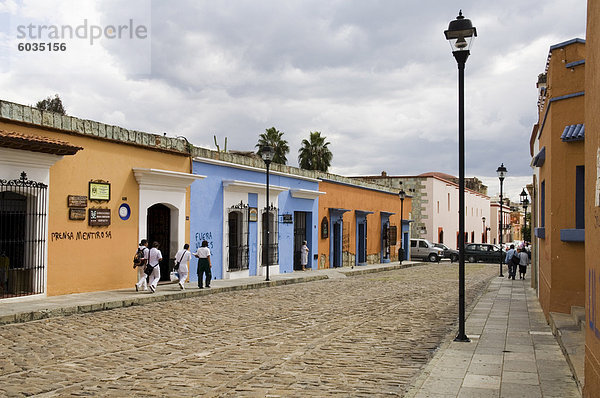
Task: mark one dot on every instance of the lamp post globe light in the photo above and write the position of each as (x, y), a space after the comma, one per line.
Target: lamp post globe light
(402, 196)
(525, 203)
(267, 153)
(460, 35)
(501, 170)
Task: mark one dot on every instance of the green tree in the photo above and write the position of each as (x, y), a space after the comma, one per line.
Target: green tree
(526, 231)
(274, 138)
(52, 104)
(314, 153)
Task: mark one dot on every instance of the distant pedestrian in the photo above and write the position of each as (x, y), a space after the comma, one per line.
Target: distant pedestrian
(524, 261)
(182, 258)
(204, 265)
(304, 255)
(141, 275)
(512, 268)
(154, 259)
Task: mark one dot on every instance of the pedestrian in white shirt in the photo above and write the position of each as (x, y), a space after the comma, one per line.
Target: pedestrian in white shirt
(304, 255)
(154, 258)
(142, 284)
(182, 258)
(204, 265)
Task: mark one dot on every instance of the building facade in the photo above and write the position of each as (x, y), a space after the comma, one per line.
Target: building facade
(494, 225)
(559, 232)
(228, 211)
(592, 201)
(77, 196)
(435, 206)
(360, 223)
(119, 187)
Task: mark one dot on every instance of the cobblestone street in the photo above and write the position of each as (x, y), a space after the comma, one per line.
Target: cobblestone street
(367, 335)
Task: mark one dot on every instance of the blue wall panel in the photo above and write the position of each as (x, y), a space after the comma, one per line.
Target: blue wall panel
(206, 215)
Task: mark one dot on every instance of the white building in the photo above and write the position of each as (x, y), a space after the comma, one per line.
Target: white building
(435, 207)
(494, 224)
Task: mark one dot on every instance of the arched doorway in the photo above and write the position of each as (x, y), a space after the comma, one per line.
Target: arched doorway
(159, 230)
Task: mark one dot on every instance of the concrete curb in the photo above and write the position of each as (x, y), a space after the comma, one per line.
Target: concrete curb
(88, 305)
(145, 299)
(390, 267)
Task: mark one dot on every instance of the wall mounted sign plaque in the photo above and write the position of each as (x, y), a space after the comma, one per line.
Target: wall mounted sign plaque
(253, 214)
(77, 214)
(99, 191)
(77, 201)
(324, 228)
(98, 217)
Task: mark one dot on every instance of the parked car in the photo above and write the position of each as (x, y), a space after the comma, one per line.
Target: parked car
(425, 250)
(448, 253)
(475, 252)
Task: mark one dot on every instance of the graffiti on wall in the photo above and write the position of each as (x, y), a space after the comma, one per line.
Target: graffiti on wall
(201, 236)
(80, 235)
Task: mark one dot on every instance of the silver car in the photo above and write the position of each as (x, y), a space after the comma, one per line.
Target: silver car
(425, 250)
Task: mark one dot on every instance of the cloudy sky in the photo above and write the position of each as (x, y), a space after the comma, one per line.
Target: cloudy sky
(376, 77)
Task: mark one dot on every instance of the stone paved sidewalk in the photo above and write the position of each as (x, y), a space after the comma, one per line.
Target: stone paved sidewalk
(512, 352)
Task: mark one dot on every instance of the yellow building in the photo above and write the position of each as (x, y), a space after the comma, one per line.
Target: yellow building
(592, 201)
(559, 158)
(106, 189)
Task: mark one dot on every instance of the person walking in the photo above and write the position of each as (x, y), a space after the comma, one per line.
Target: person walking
(512, 268)
(141, 275)
(154, 258)
(524, 261)
(304, 255)
(182, 259)
(204, 265)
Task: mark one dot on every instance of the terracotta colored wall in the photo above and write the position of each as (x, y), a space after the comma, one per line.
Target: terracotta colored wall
(78, 265)
(592, 225)
(356, 198)
(562, 272)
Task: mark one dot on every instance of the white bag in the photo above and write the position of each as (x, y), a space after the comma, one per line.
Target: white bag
(174, 276)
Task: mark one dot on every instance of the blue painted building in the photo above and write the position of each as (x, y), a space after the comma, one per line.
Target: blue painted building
(227, 209)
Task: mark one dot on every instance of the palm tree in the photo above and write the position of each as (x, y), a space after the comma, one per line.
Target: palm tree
(273, 137)
(314, 154)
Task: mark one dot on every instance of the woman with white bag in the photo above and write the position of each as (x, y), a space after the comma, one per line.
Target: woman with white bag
(182, 259)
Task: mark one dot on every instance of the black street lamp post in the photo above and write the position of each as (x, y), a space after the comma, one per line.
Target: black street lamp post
(484, 231)
(402, 196)
(501, 174)
(460, 34)
(525, 203)
(267, 154)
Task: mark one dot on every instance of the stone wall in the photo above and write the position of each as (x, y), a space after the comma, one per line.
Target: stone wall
(415, 188)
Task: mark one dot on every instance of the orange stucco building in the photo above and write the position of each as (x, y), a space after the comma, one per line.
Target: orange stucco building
(119, 187)
(559, 159)
(360, 224)
(592, 202)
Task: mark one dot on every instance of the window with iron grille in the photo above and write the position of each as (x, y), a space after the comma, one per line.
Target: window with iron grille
(237, 242)
(22, 237)
(272, 239)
